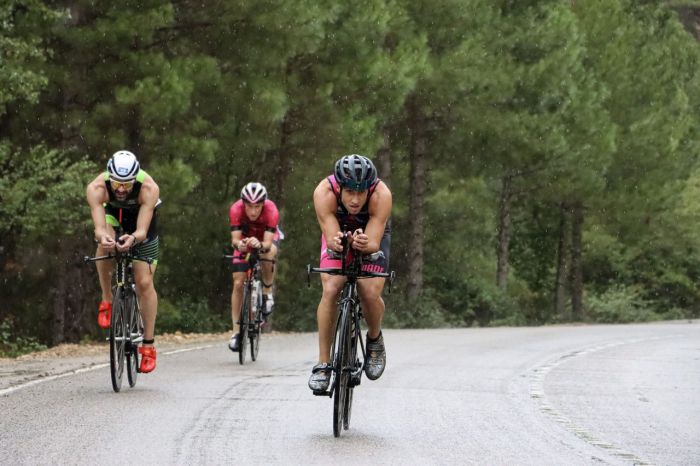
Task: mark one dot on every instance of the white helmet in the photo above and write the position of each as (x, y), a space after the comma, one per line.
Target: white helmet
(253, 193)
(123, 166)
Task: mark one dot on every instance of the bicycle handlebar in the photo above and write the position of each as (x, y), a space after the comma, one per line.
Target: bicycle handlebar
(260, 259)
(335, 271)
(127, 255)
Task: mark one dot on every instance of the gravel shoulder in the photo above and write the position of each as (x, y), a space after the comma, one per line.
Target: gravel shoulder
(68, 358)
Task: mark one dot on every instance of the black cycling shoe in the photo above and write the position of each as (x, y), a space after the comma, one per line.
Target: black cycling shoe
(375, 361)
(320, 377)
(234, 343)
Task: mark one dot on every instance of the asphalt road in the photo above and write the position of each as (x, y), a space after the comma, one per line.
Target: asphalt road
(562, 395)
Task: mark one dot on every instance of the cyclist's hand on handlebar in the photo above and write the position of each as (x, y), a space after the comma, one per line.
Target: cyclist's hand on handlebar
(107, 242)
(253, 243)
(126, 242)
(360, 240)
(336, 243)
(243, 245)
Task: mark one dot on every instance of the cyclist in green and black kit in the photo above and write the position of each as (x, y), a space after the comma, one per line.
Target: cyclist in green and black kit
(126, 196)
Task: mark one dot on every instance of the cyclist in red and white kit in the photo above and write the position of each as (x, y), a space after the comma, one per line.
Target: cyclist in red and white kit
(254, 223)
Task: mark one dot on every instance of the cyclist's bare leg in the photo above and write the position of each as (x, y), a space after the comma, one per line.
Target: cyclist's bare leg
(148, 298)
(104, 271)
(327, 314)
(236, 298)
(370, 290)
(268, 269)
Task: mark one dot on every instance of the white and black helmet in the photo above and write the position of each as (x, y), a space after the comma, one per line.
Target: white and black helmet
(123, 166)
(355, 172)
(254, 193)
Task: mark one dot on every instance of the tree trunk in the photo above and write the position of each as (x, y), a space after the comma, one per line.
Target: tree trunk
(418, 183)
(383, 157)
(283, 160)
(504, 232)
(576, 262)
(60, 292)
(563, 259)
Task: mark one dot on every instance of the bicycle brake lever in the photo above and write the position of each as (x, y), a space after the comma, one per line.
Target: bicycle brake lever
(308, 275)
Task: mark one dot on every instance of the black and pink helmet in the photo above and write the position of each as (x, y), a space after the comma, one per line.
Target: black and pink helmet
(355, 172)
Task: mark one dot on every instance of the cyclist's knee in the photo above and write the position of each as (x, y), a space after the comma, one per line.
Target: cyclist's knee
(144, 284)
(331, 291)
(371, 291)
(238, 280)
(271, 254)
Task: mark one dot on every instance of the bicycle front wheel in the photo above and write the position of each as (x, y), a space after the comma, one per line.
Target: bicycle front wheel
(135, 332)
(341, 368)
(255, 326)
(243, 322)
(117, 340)
(355, 372)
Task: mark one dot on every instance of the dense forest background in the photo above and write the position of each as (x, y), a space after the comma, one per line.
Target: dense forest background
(543, 154)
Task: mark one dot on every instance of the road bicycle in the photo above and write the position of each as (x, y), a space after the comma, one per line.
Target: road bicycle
(346, 365)
(126, 325)
(251, 319)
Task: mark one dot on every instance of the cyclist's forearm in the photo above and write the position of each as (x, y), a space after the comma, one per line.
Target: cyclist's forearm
(139, 235)
(143, 222)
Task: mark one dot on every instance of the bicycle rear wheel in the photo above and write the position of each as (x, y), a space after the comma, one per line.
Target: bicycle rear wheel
(341, 369)
(135, 333)
(117, 340)
(243, 322)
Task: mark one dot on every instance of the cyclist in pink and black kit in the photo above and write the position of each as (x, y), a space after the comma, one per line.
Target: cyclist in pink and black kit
(352, 200)
(254, 225)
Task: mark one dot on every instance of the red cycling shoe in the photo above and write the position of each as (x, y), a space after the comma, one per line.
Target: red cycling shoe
(104, 314)
(148, 359)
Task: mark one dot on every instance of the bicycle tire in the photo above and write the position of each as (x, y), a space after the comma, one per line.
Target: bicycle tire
(243, 324)
(135, 333)
(117, 342)
(340, 366)
(354, 363)
(255, 328)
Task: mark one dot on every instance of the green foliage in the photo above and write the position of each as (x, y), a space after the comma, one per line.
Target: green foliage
(12, 345)
(619, 304)
(34, 188)
(21, 53)
(189, 314)
(425, 313)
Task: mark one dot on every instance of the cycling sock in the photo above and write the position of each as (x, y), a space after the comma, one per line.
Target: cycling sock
(374, 339)
(148, 342)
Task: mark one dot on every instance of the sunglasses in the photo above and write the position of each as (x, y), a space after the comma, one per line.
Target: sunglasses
(121, 184)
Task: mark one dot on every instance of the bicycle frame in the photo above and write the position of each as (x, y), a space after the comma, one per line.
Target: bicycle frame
(346, 372)
(249, 319)
(123, 341)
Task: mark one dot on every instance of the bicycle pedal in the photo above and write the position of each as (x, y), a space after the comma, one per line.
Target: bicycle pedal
(321, 392)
